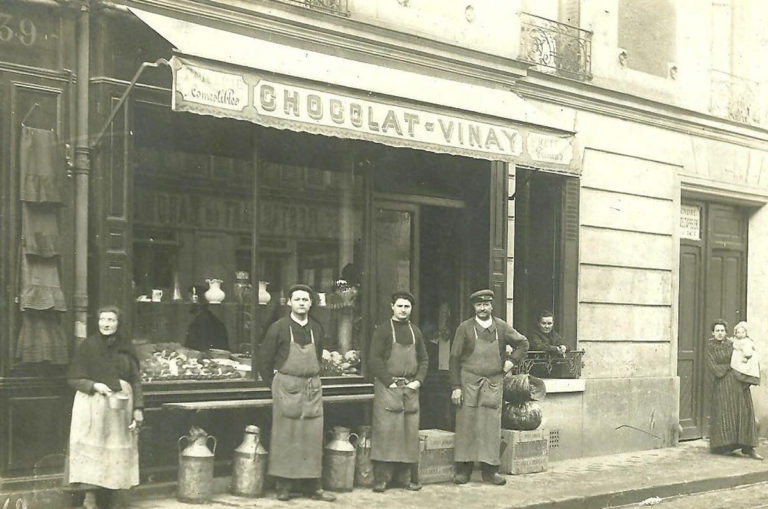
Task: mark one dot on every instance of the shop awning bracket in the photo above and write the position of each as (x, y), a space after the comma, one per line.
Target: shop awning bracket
(144, 65)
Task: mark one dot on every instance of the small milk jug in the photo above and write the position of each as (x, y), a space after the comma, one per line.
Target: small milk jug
(363, 463)
(196, 467)
(339, 460)
(249, 465)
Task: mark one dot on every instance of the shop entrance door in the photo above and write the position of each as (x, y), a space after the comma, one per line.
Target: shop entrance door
(713, 272)
(395, 256)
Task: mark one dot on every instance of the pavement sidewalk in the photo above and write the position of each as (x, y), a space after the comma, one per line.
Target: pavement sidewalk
(583, 483)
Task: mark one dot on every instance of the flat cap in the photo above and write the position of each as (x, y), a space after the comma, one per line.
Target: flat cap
(481, 296)
(301, 287)
(403, 294)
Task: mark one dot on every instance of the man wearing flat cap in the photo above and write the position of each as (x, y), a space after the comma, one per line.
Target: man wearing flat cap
(398, 361)
(290, 361)
(477, 367)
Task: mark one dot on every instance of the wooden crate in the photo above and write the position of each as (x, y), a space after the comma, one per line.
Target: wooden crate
(524, 452)
(436, 456)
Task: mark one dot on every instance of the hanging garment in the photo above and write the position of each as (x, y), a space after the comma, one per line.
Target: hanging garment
(41, 338)
(40, 230)
(40, 284)
(42, 163)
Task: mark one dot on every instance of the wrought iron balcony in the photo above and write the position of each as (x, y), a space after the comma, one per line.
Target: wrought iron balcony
(338, 7)
(555, 47)
(545, 365)
(734, 98)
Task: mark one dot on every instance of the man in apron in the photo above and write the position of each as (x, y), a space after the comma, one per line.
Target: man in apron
(476, 368)
(398, 362)
(290, 360)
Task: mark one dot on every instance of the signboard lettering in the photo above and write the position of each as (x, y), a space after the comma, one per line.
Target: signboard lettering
(311, 106)
(247, 95)
(690, 222)
(212, 88)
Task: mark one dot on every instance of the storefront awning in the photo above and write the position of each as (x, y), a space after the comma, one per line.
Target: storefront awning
(227, 74)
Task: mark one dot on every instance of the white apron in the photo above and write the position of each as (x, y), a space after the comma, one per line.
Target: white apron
(102, 450)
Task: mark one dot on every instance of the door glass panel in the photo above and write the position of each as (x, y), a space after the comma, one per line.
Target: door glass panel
(394, 233)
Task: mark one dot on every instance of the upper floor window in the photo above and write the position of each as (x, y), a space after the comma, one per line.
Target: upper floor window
(647, 35)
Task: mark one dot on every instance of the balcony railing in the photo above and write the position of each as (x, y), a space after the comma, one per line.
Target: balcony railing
(734, 98)
(545, 365)
(338, 7)
(555, 47)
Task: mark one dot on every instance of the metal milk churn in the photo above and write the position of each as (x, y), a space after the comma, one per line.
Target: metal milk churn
(249, 465)
(196, 467)
(363, 463)
(339, 460)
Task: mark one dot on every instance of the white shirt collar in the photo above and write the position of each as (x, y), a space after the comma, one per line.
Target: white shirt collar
(300, 322)
(485, 324)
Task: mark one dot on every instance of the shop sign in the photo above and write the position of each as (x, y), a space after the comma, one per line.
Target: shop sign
(211, 88)
(221, 90)
(547, 148)
(188, 210)
(690, 222)
(292, 103)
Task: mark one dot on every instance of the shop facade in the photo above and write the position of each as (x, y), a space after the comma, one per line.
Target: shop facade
(308, 145)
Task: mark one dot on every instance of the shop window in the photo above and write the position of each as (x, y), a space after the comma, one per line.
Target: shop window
(546, 253)
(192, 237)
(220, 234)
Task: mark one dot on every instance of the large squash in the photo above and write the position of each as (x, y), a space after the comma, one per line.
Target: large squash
(517, 388)
(521, 388)
(524, 417)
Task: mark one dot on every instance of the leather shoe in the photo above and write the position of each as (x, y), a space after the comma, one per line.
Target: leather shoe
(323, 496)
(461, 478)
(413, 486)
(752, 454)
(495, 479)
(380, 487)
(284, 496)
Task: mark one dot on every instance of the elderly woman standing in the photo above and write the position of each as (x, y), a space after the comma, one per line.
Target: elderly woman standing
(732, 423)
(107, 409)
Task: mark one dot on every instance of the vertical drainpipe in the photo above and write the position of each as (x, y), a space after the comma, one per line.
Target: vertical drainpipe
(82, 167)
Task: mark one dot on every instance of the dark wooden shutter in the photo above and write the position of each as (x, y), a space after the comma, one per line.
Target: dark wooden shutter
(570, 259)
(497, 265)
(111, 196)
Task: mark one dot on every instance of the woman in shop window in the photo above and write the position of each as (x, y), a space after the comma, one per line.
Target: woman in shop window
(106, 414)
(732, 423)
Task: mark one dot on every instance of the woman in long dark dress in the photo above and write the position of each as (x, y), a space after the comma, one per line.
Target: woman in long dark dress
(732, 422)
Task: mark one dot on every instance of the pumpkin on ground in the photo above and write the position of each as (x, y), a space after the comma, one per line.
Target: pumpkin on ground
(524, 417)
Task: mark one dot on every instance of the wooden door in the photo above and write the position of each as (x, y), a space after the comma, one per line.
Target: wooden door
(713, 275)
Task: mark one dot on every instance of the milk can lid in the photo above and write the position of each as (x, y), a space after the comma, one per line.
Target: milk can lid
(252, 428)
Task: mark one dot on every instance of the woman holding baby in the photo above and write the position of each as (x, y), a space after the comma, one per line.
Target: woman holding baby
(732, 420)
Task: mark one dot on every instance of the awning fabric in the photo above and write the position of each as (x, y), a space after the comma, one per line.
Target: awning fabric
(226, 74)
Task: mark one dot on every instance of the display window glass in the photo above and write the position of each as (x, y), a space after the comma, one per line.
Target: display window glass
(226, 217)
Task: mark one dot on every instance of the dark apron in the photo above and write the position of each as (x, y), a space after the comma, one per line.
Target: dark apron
(478, 419)
(297, 411)
(395, 434)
